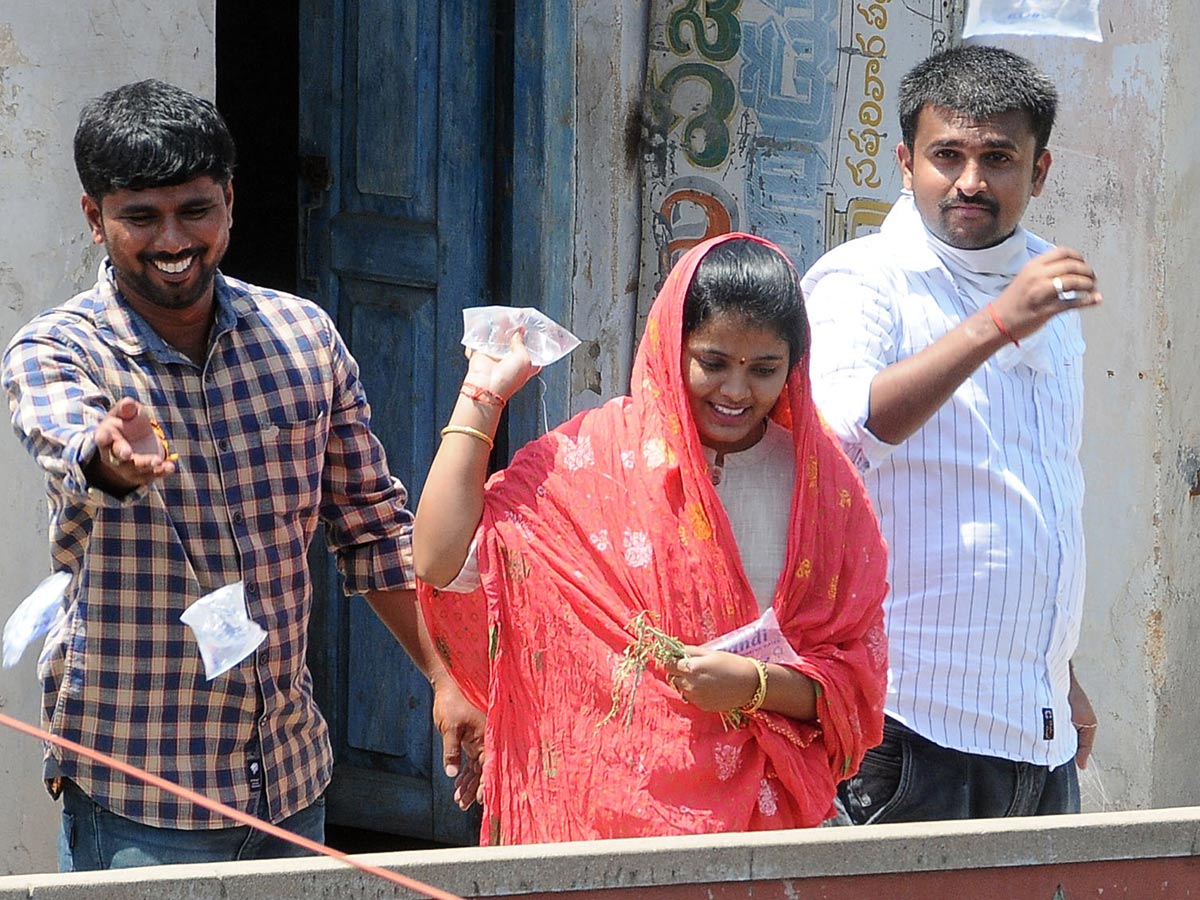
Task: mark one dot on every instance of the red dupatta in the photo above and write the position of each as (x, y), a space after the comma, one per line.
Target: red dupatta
(614, 513)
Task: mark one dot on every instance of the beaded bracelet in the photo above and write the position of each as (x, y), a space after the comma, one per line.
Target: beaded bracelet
(482, 394)
(470, 432)
(761, 694)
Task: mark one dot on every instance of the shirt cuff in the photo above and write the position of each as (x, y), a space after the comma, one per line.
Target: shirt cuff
(385, 565)
(846, 410)
(75, 483)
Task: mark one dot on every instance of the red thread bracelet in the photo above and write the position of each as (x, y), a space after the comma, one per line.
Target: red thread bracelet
(1004, 331)
(482, 394)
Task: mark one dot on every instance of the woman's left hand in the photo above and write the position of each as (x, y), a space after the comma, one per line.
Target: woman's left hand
(713, 680)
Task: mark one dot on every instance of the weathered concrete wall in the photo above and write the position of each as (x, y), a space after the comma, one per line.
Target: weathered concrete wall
(1136, 854)
(53, 56)
(1169, 242)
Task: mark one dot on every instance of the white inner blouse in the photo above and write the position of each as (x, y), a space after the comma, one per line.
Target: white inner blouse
(755, 487)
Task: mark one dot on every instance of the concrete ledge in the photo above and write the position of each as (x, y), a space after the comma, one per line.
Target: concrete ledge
(651, 867)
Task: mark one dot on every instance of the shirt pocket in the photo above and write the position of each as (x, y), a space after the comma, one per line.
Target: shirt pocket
(292, 443)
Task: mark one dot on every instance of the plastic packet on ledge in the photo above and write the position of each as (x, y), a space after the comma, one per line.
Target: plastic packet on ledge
(224, 631)
(489, 329)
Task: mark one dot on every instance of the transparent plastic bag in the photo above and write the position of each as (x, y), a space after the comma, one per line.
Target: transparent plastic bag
(761, 639)
(490, 330)
(1063, 18)
(224, 632)
(36, 615)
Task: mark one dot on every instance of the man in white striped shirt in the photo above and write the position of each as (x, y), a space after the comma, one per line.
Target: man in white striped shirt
(946, 354)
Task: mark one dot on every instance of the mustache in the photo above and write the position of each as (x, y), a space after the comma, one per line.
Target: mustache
(962, 200)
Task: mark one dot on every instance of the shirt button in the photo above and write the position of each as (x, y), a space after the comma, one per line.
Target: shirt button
(252, 588)
(237, 518)
(223, 445)
(210, 377)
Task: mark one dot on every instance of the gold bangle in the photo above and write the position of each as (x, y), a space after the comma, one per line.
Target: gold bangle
(470, 432)
(761, 694)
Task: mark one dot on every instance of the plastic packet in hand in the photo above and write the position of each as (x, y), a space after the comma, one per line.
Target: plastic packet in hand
(224, 631)
(1063, 18)
(35, 616)
(761, 639)
(490, 329)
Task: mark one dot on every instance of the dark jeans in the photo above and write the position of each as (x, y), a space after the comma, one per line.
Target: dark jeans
(910, 779)
(94, 838)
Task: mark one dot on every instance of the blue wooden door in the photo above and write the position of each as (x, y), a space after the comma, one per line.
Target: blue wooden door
(396, 228)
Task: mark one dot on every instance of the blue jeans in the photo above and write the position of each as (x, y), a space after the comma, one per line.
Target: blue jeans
(94, 838)
(910, 779)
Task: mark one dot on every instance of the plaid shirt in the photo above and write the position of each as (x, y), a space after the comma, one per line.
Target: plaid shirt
(273, 433)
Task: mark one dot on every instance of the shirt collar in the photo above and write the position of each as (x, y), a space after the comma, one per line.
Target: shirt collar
(125, 329)
(906, 231)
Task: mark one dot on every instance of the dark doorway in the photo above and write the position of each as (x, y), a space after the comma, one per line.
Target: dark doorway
(258, 93)
(366, 182)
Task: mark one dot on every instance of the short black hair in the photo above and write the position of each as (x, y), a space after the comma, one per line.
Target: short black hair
(747, 279)
(979, 82)
(150, 134)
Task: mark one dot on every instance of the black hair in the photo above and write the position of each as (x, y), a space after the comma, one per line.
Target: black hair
(978, 82)
(150, 134)
(744, 278)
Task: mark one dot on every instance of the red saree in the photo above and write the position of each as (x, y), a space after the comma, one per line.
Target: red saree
(614, 513)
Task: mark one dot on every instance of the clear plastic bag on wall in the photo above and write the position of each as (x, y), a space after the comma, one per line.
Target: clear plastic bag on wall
(1061, 18)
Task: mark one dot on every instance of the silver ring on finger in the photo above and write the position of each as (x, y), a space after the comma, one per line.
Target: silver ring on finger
(1064, 295)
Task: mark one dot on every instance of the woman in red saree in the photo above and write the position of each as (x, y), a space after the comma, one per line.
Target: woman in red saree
(710, 494)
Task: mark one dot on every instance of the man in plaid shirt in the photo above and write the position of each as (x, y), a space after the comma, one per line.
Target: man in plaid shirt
(193, 429)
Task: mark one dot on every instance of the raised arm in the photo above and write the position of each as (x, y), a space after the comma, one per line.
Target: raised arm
(452, 499)
(907, 393)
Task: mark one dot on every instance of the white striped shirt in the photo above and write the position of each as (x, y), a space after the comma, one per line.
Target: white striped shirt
(981, 507)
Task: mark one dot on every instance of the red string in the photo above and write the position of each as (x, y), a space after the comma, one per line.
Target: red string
(227, 811)
(1004, 331)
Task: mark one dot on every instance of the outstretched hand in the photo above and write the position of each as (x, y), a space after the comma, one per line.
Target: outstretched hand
(1033, 297)
(129, 452)
(505, 375)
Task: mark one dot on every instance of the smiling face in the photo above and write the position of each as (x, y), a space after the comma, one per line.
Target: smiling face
(734, 372)
(165, 243)
(972, 179)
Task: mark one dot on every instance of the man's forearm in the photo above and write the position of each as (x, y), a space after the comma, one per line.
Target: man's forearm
(906, 394)
(398, 610)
